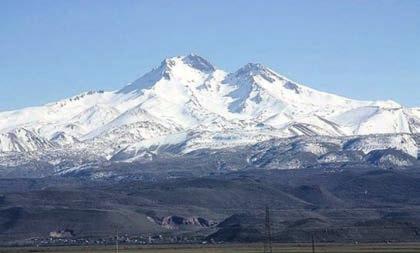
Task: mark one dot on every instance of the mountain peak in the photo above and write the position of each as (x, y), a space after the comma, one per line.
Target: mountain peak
(253, 67)
(256, 69)
(178, 66)
(191, 60)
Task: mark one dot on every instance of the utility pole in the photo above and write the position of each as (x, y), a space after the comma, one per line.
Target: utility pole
(268, 241)
(116, 243)
(313, 244)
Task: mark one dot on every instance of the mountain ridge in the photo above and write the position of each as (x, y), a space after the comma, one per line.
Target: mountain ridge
(187, 99)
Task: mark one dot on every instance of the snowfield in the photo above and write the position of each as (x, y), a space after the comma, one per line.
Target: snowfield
(188, 103)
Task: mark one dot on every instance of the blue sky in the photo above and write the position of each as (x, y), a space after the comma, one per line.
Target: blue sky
(52, 49)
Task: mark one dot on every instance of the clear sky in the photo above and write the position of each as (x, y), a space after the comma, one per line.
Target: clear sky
(52, 49)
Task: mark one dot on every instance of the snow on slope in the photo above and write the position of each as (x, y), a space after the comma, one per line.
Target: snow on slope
(63, 139)
(23, 140)
(403, 142)
(188, 96)
(374, 120)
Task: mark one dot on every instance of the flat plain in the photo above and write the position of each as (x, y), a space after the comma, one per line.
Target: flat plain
(233, 248)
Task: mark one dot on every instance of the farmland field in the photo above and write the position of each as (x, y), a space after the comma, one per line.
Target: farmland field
(240, 248)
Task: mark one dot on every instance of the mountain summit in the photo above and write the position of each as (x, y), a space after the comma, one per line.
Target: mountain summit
(188, 102)
(175, 67)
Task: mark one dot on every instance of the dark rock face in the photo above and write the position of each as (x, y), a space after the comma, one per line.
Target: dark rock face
(292, 86)
(390, 158)
(199, 63)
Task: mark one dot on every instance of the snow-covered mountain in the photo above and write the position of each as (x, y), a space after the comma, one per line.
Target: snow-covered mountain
(186, 104)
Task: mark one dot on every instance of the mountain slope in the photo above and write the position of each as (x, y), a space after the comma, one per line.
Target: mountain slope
(189, 97)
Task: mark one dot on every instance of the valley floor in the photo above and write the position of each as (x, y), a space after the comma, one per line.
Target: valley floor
(232, 248)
